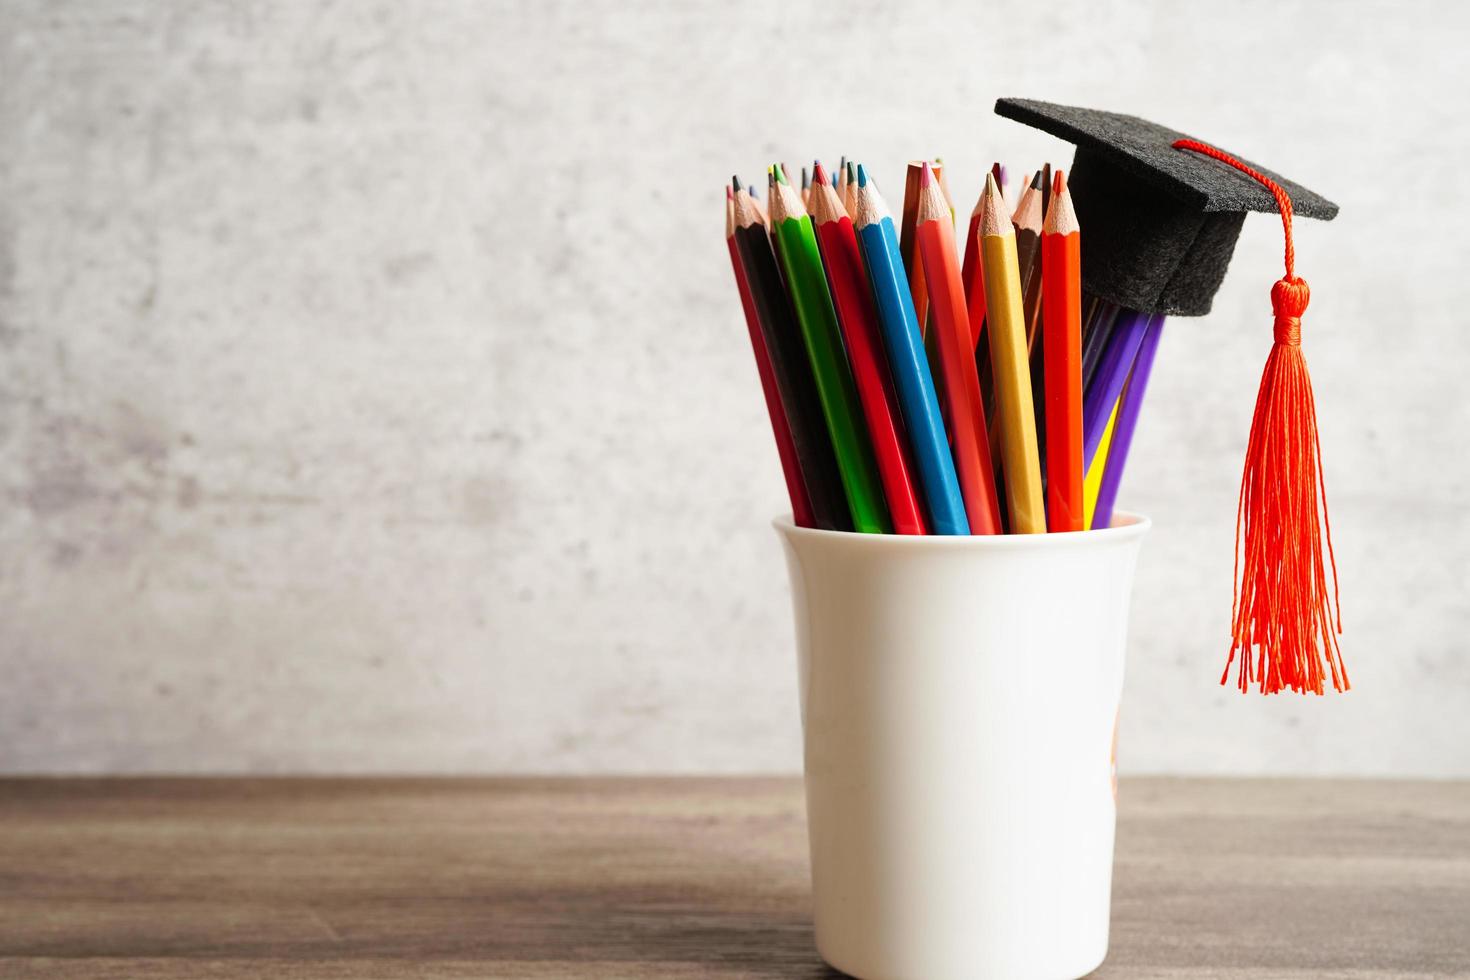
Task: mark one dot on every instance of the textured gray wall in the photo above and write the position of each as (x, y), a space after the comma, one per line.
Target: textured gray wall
(375, 395)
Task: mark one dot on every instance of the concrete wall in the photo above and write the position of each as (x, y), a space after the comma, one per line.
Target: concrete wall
(374, 394)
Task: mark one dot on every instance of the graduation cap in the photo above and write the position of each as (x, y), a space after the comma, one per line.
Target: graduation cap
(1160, 213)
(1160, 225)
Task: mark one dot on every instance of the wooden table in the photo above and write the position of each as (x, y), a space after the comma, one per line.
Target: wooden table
(664, 878)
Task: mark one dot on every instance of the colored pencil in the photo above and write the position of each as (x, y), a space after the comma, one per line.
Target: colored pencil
(910, 262)
(801, 504)
(1061, 276)
(806, 280)
(934, 234)
(1092, 485)
(853, 300)
(1095, 334)
(1130, 404)
(1107, 382)
(1006, 328)
(984, 373)
(814, 453)
(1028, 220)
(907, 358)
(970, 276)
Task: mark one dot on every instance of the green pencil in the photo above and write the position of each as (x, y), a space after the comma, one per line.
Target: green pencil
(836, 390)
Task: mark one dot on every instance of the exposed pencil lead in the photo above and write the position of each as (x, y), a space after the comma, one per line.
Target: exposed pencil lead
(778, 172)
(862, 176)
(735, 183)
(806, 180)
(851, 172)
(926, 176)
(819, 176)
(1038, 181)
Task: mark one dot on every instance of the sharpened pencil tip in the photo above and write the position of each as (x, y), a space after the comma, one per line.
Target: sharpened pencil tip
(778, 173)
(926, 176)
(735, 183)
(862, 176)
(806, 179)
(1038, 181)
(819, 176)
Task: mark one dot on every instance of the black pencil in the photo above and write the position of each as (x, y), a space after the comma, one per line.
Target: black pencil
(798, 389)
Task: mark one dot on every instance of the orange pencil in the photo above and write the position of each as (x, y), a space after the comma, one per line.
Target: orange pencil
(1061, 348)
(934, 230)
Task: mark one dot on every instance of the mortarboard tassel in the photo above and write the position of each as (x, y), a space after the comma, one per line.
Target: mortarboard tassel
(1282, 607)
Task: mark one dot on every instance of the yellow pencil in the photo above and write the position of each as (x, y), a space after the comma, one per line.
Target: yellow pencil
(1092, 482)
(1006, 327)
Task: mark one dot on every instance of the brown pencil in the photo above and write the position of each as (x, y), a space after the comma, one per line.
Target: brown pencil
(1028, 219)
(1046, 188)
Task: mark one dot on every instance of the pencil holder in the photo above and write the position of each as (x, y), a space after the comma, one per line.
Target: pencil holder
(959, 700)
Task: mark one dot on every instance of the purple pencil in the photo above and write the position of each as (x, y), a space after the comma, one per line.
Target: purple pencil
(1123, 429)
(1107, 383)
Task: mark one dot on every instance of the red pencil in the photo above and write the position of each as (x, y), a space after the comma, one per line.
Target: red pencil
(935, 233)
(853, 298)
(970, 275)
(1061, 348)
(801, 505)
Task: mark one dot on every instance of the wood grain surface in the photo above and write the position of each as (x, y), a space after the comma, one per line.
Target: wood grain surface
(672, 878)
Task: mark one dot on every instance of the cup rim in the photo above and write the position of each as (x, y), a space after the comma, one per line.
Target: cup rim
(1126, 526)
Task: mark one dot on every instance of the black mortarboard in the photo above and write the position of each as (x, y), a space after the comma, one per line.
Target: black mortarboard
(1159, 224)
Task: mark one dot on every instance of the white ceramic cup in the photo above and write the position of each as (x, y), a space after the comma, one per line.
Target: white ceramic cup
(959, 700)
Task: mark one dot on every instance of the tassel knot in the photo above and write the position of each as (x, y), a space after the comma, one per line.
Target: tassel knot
(1289, 298)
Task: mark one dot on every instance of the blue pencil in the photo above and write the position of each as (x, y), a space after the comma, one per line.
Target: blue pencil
(908, 361)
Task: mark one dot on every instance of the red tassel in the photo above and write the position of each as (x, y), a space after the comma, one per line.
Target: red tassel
(1284, 620)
